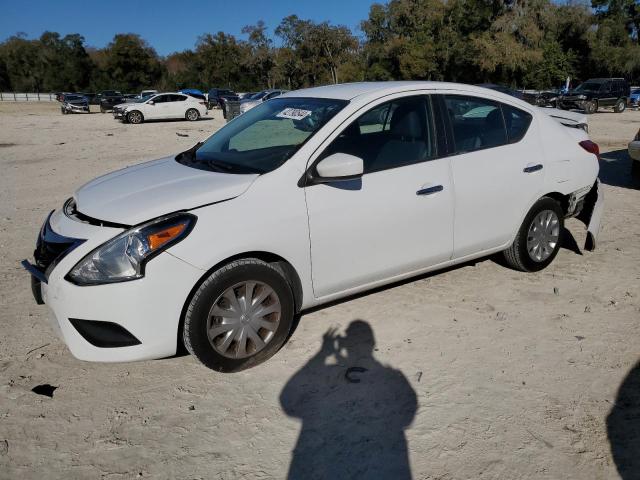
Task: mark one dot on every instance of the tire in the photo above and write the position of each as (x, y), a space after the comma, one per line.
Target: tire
(192, 115)
(135, 117)
(519, 256)
(102, 110)
(224, 353)
(591, 107)
(620, 106)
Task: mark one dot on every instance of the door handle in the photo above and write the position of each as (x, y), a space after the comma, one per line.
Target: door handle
(532, 168)
(430, 190)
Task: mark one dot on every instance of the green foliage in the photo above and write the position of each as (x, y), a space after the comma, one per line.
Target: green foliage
(532, 44)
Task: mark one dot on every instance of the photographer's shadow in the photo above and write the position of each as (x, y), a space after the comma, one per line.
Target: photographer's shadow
(354, 412)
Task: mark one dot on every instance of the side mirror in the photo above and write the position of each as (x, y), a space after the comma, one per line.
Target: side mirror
(337, 167)
(151, 102)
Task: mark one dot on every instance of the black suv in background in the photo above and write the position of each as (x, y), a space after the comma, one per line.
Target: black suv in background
(108, 98)
(596, 93)
(218, 95)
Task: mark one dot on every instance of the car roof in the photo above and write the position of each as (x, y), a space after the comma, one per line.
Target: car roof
(349, 91)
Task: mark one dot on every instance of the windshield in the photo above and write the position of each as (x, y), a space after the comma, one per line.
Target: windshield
(265, 137)
(73, 97)
(589, 87)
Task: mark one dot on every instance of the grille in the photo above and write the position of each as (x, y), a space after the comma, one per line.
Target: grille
(51, 248)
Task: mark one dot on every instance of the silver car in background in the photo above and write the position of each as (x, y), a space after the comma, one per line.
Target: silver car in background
(248, 103)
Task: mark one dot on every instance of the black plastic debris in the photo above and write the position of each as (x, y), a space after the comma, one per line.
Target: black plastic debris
(350, 371)
(44, 389)
(182, 134)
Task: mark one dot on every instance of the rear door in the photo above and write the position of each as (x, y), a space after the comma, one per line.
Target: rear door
(396, 219)
(498, 170)
(176, 106)
(608, 95)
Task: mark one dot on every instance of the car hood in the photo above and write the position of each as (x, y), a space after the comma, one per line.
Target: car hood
(564, 116)
(149, 190)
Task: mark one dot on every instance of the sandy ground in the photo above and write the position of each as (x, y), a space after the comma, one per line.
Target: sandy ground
(480, 372)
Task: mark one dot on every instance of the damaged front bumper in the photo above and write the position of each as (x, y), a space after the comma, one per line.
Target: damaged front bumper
(591, 214)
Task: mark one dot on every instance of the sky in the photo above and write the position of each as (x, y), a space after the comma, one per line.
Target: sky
(168, 26)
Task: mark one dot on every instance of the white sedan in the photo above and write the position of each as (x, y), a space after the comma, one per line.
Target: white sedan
(161, 107)
(311, 197)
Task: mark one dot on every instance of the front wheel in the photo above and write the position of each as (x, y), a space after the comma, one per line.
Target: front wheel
(620, 106)
(192, 115)
(591, 107)
(135, 117)
(538, 239)
(240, 316)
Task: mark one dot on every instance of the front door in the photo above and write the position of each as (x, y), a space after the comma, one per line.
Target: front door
(396, 219)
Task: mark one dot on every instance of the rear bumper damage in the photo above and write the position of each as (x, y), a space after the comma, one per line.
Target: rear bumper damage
(591, 214)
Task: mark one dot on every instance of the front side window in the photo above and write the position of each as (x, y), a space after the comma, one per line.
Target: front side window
(159, 99)
(477, 123)
(264, 137)
(391, 135)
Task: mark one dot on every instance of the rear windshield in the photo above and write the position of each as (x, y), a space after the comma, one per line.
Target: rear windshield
(263, 138)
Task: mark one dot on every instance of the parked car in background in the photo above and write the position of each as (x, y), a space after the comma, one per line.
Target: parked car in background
(109, 99)
(160, 107)
(248, 103)
(371, 182)
(103, 94)
(74, 103)
(634, 153)
(567, 118)
(597, 93)
(194, 92)
(215, 96)
(634, 97)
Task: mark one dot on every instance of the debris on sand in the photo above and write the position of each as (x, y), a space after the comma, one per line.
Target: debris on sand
(44, 389)
(182, 134)
(350, 371)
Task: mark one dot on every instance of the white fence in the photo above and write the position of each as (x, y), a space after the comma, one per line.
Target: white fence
(27, 97)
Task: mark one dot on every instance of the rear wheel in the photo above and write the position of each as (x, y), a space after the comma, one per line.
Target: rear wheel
(192, 115)
(135, 117)
(240, 316)
(620, 106)
(538, 239)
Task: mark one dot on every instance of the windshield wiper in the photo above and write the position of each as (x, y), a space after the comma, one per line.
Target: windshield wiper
(232, 167)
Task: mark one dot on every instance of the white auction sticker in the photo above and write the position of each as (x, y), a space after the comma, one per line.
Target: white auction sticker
(294, 113)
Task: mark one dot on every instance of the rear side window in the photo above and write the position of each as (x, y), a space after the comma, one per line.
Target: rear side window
(477, 123)
(517, 122)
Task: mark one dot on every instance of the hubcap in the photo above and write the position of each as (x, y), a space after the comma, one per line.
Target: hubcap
(543, 235)
(244, 319)
(193, 115)
(135, 117)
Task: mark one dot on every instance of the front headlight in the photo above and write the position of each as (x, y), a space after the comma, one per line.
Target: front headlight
(124, 257)
(582, 97)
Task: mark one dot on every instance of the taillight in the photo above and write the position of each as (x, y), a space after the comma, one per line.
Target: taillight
(591, 147)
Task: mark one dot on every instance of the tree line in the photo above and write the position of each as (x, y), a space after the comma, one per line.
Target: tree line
(524, 43)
